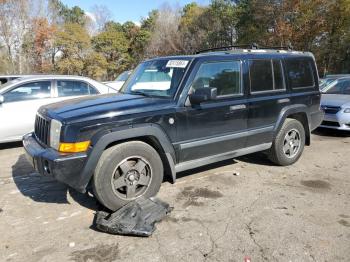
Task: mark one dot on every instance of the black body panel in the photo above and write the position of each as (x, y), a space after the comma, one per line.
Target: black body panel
(184, 135)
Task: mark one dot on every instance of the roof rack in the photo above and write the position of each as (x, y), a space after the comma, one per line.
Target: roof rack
(253, 46)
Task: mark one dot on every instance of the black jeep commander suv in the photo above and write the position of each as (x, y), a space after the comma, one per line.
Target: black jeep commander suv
(175, 114)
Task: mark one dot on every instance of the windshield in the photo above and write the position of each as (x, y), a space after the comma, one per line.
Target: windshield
(159, 78)
(123, 76)
(341, 87)
(325, 82)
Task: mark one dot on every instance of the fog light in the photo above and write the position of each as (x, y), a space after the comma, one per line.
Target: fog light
(74, 147)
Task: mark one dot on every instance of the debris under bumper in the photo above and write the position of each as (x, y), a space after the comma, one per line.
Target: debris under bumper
(136, 218)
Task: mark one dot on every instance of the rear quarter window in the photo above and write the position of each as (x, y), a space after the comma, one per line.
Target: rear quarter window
(300, 73)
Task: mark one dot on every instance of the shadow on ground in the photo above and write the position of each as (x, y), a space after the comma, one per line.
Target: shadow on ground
(10, 145)
(46, 189)
(331, 132)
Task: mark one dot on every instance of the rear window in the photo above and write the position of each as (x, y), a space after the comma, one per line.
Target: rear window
(300, 74)
(266, 75)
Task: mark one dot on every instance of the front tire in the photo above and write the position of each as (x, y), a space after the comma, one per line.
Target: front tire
(289, 143)
(126, 172)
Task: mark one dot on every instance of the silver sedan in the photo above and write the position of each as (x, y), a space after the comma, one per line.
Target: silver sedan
(336, 104)
(21, 98)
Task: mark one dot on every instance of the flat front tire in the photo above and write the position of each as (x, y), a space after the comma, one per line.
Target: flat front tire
(289, 143)
(126, 172)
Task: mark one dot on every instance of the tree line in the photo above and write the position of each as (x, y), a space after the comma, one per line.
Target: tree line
(46, 36)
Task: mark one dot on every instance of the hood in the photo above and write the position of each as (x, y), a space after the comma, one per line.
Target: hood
(335, 100)
(103, 106)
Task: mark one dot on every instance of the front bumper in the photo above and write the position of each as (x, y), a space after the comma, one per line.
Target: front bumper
(339, 121)
(66, 168)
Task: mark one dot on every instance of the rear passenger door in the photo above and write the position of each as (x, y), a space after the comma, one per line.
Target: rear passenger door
(267, 96)
(218, 126)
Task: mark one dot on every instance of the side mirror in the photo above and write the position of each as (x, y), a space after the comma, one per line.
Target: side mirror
(2, 99)
(201, 95)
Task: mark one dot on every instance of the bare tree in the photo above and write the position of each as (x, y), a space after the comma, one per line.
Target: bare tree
(14, 22)
(166, 38)
(100, 16)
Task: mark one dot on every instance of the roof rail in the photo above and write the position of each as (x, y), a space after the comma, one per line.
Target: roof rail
(245, 46)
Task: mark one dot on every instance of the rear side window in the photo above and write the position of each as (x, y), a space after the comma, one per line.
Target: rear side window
(72, 88)
(266, 75)
(261, 78)
(300, 74)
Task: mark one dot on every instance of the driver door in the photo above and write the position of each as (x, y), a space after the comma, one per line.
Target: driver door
(214, 127)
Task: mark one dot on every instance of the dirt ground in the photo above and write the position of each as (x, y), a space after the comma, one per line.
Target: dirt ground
(266, 213)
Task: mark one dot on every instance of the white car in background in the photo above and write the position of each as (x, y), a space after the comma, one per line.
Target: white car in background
(119, 81)
(21, 98)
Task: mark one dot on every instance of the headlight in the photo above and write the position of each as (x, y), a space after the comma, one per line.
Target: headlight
(347, 110)
(55, 133)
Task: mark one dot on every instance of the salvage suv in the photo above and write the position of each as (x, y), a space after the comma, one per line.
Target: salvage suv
(175, 114)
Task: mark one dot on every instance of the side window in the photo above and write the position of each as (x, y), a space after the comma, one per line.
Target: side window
(346, 89)
(278, 75)
(72, 88)
(261, 76)
(29, 91)
(92, 90)
(225, 76)
(300, 74)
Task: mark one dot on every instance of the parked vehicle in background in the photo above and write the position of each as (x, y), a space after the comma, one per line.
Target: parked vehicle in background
(206, 108)
(119, 81)
(336, 104)
(7, 78)
(326, 81)
(21, 98)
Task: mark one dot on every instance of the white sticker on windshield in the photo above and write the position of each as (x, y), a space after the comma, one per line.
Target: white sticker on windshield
(177, 63)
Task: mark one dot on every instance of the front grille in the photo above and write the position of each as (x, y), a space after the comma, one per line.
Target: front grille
(330, 123)
(331, 109)
(42, 129)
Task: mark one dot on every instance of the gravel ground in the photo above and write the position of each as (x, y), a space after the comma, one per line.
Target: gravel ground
(230, 211)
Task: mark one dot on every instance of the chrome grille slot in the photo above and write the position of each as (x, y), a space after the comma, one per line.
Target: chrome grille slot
(42, 129)
(331, 109)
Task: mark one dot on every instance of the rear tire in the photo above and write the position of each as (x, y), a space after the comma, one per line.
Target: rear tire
(126, 172)
(289, 143)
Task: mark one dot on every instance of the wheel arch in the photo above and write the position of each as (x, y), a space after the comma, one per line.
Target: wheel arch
(299, 113)
(150, 134)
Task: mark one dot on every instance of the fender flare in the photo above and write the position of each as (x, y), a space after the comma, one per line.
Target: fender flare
(101, 141)
(290, 110)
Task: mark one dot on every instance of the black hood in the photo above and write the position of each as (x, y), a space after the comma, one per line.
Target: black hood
(103, 106)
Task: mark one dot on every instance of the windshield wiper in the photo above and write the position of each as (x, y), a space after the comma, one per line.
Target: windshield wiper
(139, 93)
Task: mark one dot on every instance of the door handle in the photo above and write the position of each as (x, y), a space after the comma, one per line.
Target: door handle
(237, 107)
(283, 100)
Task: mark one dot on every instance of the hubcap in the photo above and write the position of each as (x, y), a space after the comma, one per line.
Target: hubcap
(131, 178)
(291, 144)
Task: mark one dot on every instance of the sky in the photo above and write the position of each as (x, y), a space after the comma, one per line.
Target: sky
(128, 10)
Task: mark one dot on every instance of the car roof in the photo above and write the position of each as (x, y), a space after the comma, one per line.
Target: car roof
(242, 52)
(53, 77)
(16, 76)
(336, 76)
